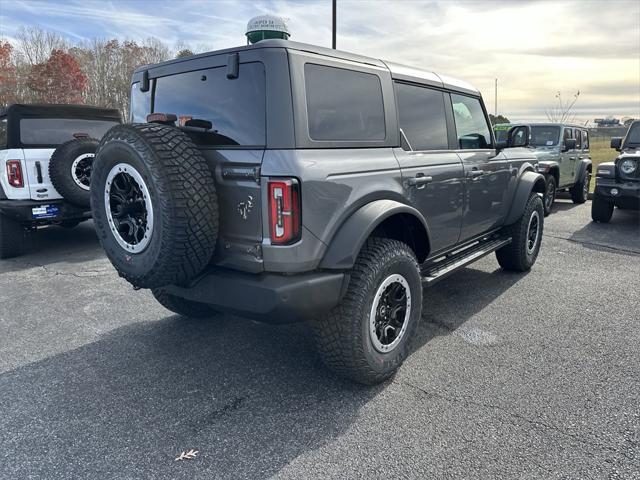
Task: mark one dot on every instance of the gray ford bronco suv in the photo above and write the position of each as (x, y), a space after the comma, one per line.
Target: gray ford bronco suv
(286, 182)
(618, 182)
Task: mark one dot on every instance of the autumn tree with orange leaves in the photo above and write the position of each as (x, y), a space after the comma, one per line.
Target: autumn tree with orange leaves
(8, 78)
(58, 80)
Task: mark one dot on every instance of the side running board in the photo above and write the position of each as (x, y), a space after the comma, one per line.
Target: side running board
(444, 266)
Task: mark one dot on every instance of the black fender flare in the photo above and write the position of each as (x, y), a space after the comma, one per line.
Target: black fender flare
(529, 182)
(585, 163)
(549, 166)
(348, 241)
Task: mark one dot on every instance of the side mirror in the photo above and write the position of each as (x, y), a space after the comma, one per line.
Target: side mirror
(145, 83)
(616, 142)
(518, 136)
(569, 144)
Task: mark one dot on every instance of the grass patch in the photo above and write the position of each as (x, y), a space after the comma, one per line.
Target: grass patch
(601, 151)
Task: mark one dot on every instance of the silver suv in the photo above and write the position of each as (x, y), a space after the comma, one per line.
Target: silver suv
(289, 182)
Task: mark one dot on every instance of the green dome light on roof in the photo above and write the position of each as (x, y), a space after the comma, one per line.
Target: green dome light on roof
(264, 27)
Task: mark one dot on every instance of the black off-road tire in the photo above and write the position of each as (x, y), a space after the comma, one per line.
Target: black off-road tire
(601, 209)
(11, 237)
(342, 336)
(517, 256)
(580, 190)
(61, 166)
(183, 201)
(549, 194)
(182, 306)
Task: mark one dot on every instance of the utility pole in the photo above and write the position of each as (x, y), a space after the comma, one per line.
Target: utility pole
(333, 25)
(495, 97)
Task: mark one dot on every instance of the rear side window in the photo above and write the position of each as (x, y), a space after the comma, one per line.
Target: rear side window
(3, 132)
(140, 104)
(422, 117)
(343, 105)
(471, 124)
(55, 131)
(235, 107)
(578, 138)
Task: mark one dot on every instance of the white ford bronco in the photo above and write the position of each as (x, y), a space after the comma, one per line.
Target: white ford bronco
(46, 153)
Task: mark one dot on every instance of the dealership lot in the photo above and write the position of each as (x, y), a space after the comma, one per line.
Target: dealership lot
(513, 375)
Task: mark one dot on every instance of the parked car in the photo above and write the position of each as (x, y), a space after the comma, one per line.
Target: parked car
(618, 182)
(289, 182)
(46, 152)
(564, 159)
(501, 130)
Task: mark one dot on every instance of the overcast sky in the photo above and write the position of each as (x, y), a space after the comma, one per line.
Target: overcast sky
(534, 48)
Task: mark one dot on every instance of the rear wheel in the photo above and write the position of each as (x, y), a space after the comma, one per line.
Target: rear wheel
(580, 191)
(368, 336)
(526, 238)
(70, 169)
(601, 210)
(182, 306)
(549, 194)
(11, 237)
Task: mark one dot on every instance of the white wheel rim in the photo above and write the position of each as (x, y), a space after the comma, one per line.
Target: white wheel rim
(138, 235)
(76, 167)
(380, 329)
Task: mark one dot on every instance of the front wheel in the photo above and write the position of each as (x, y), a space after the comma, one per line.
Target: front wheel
(368, 335)
(601, 210)
(182, 306)
(526, 238)
(11, 237)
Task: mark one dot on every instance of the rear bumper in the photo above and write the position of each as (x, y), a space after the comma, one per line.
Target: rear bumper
(268, 297)
(628, 195)
(50, 212)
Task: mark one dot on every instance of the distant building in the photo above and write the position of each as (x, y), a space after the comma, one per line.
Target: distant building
(607, 122)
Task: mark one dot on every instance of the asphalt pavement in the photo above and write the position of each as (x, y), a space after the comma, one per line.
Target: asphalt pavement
(531, 375)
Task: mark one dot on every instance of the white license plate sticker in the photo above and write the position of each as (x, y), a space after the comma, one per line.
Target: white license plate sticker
(45, 211)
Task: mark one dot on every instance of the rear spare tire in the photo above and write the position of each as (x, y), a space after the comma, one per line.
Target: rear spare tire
(154, 204)
(70, 169)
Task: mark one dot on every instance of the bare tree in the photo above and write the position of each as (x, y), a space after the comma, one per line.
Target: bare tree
(35, 44)
(562, 112)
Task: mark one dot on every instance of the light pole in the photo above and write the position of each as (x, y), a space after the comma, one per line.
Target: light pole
(333, 25)
(495, 97)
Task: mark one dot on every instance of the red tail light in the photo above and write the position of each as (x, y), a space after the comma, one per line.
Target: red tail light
(284, 211)
(14, 173)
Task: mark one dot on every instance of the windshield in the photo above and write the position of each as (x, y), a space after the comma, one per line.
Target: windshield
(545, 136)
(55, 131)
(633, 135)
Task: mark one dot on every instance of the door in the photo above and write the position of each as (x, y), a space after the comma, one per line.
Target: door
(567, 159)
(432, 174)
(487, 174)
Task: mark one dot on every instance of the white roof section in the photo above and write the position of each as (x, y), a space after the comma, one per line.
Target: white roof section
(417, 75)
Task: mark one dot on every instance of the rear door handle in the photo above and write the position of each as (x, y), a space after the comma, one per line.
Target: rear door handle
(476, 173)
(419, 181)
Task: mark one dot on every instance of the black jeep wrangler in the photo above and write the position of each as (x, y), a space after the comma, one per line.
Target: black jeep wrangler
(290, 182)
(618, 182)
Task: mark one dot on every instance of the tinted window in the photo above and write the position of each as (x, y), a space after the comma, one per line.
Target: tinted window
(633, 135)
(471, 124)
(3, 132)
(578, 138)
(343, 104)
(140, 104)
(235, 107)
(545, 136)
(422, 118)
(54, 131)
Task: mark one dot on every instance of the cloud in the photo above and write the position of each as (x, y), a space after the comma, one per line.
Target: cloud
(534, 48)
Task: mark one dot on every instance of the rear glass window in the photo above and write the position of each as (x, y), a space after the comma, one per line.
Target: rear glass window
(3, 132)
(422, 117)
(343, 105)
(55, 131)
(235, 107)
(545, 136)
